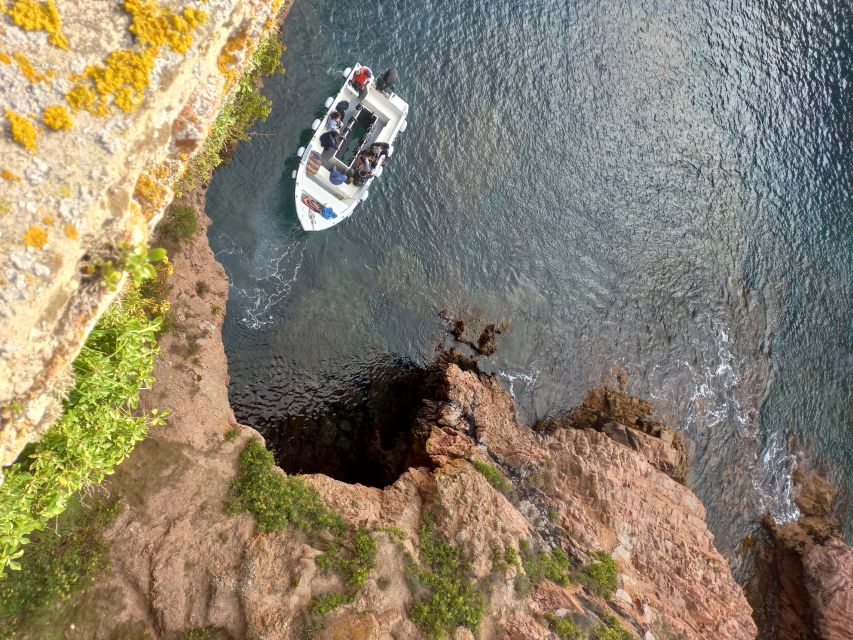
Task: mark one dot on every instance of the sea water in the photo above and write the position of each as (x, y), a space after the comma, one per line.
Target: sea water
(660, 186)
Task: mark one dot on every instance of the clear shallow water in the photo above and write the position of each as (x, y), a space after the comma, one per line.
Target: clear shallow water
(664, 186)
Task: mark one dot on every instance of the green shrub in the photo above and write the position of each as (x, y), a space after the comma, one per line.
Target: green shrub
(97, 430)
(495, 478)
(278, 500)
(611, 629)
(242, 107)
(321, 605)
(452, 599)
(600, 576)
(553, 565)
(178, 226)
(60, 560)
(565, 628)
(275, 499)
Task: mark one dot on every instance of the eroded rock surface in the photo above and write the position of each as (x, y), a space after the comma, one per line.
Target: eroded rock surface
(180, 563)
(101, 103)
(814, 568)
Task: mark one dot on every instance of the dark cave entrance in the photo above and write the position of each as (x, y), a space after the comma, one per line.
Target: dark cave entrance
(365, 436)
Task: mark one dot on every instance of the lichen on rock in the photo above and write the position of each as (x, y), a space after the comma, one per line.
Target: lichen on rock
(23, 130)
(57, 117)
(39, 16)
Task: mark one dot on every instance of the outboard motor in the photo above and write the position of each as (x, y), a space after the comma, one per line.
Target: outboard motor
(386, 80)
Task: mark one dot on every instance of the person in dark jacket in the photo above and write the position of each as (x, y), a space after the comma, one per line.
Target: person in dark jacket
(329, 140)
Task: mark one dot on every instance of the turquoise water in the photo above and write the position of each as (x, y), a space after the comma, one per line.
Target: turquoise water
(662, 186)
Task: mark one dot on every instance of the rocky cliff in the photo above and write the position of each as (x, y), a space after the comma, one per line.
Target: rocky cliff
(101, 102)
(812, 568)
(525, 514)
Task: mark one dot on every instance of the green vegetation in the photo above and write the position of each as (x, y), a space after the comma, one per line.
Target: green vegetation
(600, 577)
(611, 629)
(232, 433)
(202, 288)
(565, 628)
(60, 560)
(200, 633)
(495, 478)
(553, 565)
(383, 582)
(178, 226)
(395, 532)
(243, 105)
(503, 560)
(135, 261)
(275, 499)
(278, 500)
(97, 430)
(452, 600)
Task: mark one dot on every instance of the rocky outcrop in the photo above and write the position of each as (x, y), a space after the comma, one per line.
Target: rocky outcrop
(101, 104)
(813, 568)
(179, 563)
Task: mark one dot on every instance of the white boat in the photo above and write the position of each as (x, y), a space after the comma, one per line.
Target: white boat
(373, 115)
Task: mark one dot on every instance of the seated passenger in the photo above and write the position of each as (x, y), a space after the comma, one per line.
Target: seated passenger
(329, 140)
(335, 121)
(361, 78)
(362, 170)
(337, 176)
(378, 149)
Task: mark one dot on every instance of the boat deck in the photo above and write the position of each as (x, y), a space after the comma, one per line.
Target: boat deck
(370, 117)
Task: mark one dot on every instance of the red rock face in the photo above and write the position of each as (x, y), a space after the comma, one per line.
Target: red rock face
(179, 562)
(814, 568)
(602, 495)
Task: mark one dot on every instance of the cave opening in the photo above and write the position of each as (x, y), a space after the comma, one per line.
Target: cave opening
(366, 435)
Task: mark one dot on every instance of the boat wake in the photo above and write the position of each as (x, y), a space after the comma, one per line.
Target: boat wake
(267, 278)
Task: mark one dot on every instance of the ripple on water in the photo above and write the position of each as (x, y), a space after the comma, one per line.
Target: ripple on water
(661, 185)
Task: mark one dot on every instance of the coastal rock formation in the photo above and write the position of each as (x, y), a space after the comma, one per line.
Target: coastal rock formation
(814, 568)
(102, 102)
(180, 563)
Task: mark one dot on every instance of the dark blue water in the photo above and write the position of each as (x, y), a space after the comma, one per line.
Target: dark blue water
(662, 186)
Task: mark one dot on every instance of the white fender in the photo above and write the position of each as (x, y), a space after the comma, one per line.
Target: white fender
(329, 101)
(378, 172)
(293, 175)
(300, 151)
(315, 125)
(346, 72)
(364, 196)
(391, 151)
(404, 125)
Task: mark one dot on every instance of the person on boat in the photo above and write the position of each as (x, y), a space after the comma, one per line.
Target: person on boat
(362, 170)
(361, 78)
(336, 176)
(329, 140)
(378, 149)
(335, 121)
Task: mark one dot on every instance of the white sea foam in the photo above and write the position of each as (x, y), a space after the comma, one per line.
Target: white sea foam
(273, 271)
(723, 405)
(528, 379)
